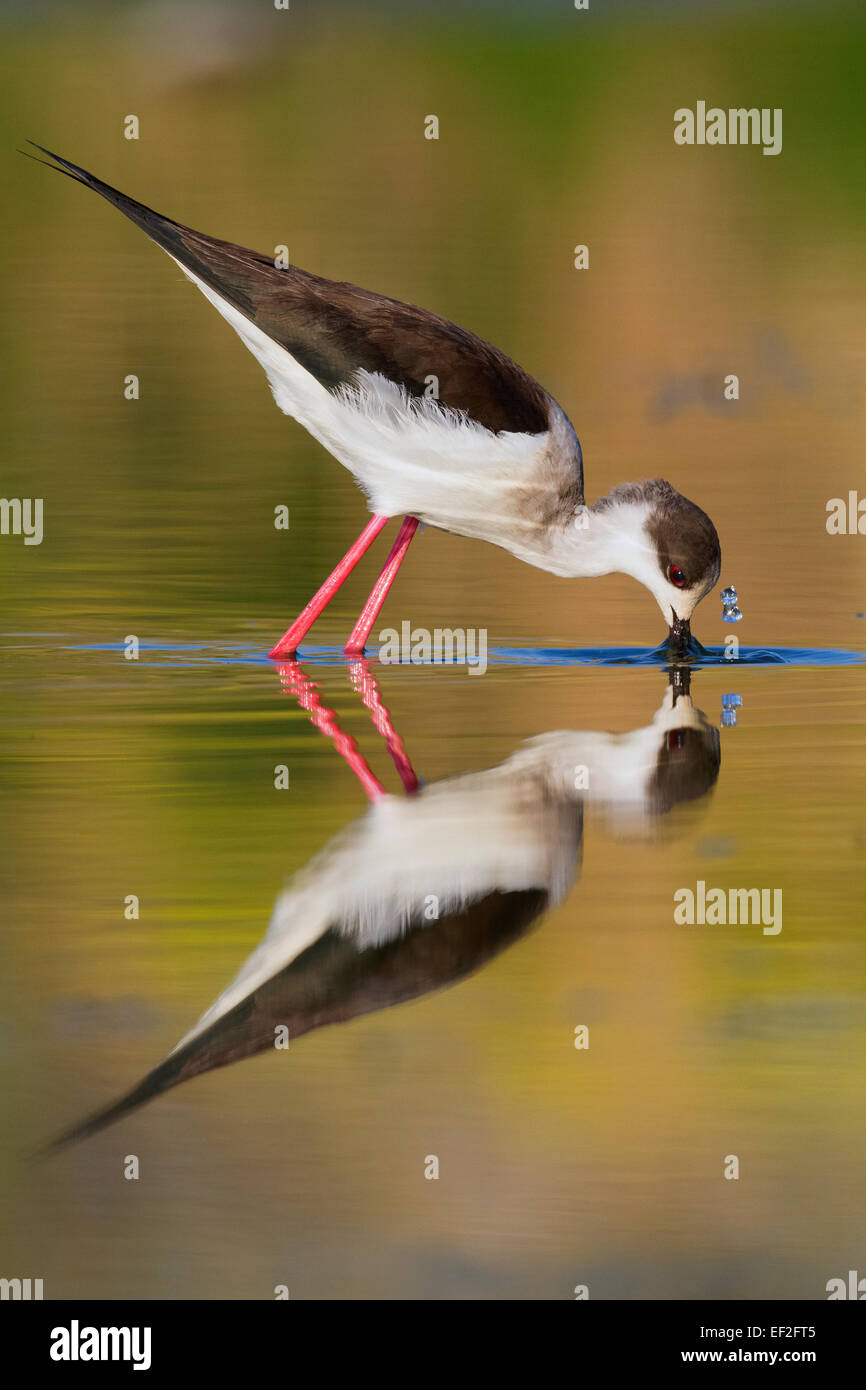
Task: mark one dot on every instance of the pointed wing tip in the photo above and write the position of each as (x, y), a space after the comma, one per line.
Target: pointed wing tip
(50, 153)
(28, 155)
(60, 165)
(50, 1147)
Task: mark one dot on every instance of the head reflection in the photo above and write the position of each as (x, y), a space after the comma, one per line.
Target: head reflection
(424, 888)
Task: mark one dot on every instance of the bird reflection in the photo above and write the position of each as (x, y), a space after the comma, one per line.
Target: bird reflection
(424, 888)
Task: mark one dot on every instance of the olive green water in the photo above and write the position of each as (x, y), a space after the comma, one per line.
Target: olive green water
(155, 777)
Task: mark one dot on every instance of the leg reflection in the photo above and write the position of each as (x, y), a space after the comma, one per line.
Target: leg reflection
(367, 687)
(296, 683)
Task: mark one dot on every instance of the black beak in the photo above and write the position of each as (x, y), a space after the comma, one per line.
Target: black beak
(679, 679)
(680, 635)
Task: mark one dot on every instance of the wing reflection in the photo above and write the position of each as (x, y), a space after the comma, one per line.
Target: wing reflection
(423, 889)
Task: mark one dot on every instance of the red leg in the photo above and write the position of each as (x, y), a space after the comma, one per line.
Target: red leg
(370, 612)
(325, 720)
(365, 683)
(288, 644)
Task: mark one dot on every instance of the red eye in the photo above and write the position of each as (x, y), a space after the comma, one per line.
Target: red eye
(676, 739)
(676, 576)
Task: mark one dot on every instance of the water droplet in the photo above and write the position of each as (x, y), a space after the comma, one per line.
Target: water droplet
(731, 615)
(729, 596)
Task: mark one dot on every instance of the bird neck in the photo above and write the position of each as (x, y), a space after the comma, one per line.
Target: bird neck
(606, 538)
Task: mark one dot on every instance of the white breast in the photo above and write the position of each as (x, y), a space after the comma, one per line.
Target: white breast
(457, 840)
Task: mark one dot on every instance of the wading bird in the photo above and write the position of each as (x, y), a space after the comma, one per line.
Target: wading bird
(422, 890)
(489, 454)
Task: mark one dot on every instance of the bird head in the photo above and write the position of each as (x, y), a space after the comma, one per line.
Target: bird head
(668, 544)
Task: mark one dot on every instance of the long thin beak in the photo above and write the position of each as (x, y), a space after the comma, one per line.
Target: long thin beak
(680, 634)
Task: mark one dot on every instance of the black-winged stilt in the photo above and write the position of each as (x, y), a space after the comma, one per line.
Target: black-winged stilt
(353, 931)
(486, 453)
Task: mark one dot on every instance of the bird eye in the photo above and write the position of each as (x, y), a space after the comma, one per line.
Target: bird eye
(676, 739)
(676, 576)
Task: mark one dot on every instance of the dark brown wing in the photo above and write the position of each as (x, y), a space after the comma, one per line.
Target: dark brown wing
(332, 981)
(335, 329)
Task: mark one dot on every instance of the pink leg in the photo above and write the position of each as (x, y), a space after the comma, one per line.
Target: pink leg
(365, 683)
(370, 612)
(288, 644)
(325, 720)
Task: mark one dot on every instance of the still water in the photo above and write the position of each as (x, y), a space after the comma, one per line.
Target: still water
(560, 810)
(435, 955)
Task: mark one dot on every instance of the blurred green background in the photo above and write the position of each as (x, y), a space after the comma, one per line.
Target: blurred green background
(306, 127)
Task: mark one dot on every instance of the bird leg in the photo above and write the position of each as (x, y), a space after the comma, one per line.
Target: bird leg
(367, 687)
(307, 695)
(288, 644)
(370, 612)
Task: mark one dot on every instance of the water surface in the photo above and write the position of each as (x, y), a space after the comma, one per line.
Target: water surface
(156, 777)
